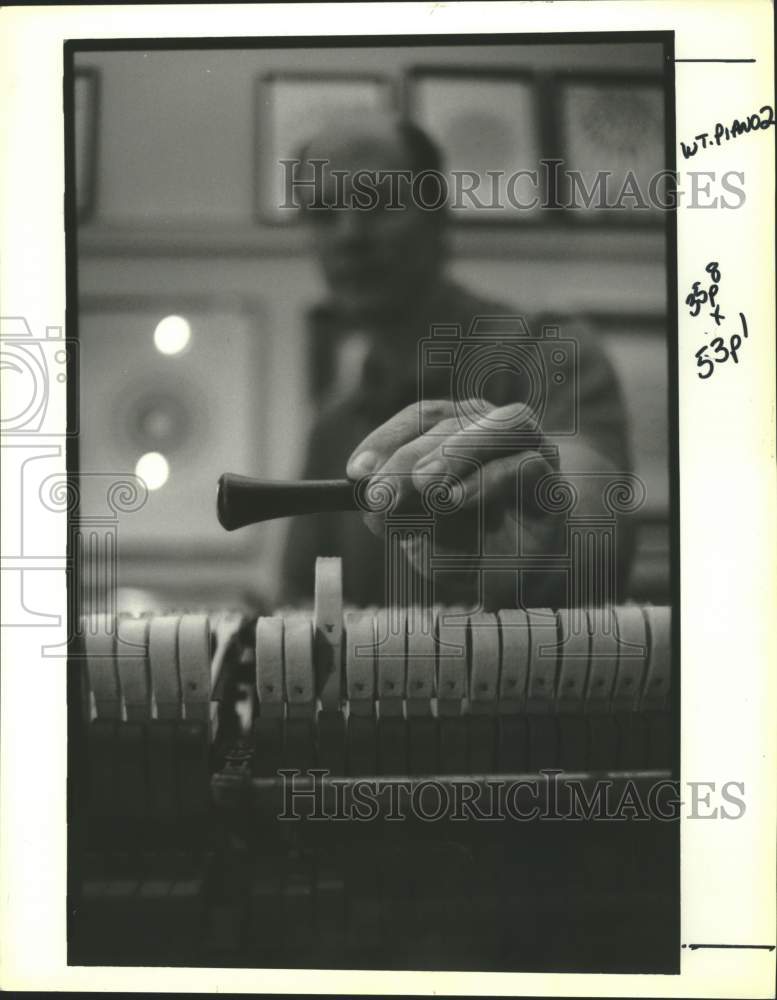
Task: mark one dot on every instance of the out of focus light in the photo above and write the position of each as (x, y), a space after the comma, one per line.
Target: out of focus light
(153, 469)
(172, 334)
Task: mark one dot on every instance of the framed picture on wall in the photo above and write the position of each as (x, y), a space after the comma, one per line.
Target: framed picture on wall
(291, 108)
(611, 140)
(487, 126)
(86, 93)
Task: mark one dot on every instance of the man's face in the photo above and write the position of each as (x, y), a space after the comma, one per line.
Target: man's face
(377, 259)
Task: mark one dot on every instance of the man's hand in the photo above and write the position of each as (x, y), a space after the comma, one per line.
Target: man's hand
(490, 458)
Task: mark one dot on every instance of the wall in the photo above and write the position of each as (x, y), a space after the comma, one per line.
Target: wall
(174, 229)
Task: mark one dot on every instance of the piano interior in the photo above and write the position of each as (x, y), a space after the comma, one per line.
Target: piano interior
(375, 788)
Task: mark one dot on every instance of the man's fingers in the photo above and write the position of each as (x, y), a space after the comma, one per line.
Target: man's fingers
(498, 453)
(378, 447)
(408, 456)
(504, 431)
(495, 458)
(393, 477)
(504, 487)
(509, 484)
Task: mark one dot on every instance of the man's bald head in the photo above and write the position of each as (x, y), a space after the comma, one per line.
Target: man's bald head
(373, 141)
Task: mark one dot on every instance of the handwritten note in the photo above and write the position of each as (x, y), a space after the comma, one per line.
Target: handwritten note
(722, 132)
(704, 292)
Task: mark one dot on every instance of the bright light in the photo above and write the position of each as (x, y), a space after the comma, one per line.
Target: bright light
(153, 469)
(172, 334)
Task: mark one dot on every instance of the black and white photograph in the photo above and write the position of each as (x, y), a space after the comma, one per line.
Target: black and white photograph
(376, 491)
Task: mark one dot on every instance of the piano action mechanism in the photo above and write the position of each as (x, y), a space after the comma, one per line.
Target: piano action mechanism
(428, 757)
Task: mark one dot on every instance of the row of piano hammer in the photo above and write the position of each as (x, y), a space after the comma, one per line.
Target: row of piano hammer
(363, 692)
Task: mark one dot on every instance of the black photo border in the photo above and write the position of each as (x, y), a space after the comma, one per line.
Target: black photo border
(75, 749)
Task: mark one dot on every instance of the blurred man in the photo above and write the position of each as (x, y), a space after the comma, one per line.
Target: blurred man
(383, 255)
